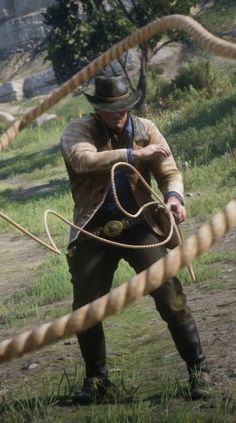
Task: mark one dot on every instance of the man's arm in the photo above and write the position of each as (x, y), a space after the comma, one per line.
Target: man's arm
(79, 151)
(177, 208)
(164, 169)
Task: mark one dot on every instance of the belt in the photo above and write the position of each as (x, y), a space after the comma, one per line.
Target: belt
(114, 228)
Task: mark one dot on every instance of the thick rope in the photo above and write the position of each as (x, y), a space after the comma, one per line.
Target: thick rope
(204, 38)
(165, 268)
(118, 298)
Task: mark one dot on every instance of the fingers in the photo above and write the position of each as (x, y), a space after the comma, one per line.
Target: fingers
(157, 150)
(178, 211)
(180, 214)
(151, 152)
(165, 151)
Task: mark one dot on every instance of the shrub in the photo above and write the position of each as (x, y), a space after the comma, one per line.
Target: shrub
(199, 74)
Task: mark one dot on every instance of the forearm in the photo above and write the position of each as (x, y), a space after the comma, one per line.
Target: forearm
(92, 161)
(171, 184)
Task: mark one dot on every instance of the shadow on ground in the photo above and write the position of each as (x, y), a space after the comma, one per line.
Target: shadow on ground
(38, 191)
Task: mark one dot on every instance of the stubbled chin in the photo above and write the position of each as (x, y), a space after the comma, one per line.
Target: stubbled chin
(116, 125)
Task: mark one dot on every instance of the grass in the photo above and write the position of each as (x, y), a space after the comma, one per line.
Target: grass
(147, 390)
(34, 158)
(203, 129)
(143, 361)
(219, 19)
(50, 286)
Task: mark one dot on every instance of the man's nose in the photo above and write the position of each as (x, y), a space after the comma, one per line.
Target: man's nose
(117, 114)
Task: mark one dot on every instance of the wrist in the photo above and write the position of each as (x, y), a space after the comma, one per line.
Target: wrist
(136, 154)
(130, 155)
(174, 194)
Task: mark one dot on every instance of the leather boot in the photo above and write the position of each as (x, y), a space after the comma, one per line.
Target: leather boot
(96, 390)
(96, 383)
(200, 384)
(93, 349)
(187, 342)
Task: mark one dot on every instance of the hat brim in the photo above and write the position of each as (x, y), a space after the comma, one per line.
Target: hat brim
(114, 106)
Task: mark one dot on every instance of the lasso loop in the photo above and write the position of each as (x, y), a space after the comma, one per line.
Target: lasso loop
(165, 268)
(156, 202)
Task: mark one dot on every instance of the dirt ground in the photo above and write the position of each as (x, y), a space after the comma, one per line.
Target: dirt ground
(214, 310)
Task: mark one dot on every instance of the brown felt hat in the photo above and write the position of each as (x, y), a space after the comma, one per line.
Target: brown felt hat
(112, 94)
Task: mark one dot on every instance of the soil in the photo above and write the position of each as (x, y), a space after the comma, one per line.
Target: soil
(213, 306)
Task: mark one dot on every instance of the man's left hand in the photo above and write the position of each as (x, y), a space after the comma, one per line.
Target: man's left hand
(174, 205)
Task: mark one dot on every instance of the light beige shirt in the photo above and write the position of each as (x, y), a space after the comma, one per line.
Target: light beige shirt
(89, 156)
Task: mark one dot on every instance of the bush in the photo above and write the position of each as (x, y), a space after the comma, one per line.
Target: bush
(199, 74)
(196, 82)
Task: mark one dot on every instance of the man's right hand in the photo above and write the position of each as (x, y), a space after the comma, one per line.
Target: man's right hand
(150, 152)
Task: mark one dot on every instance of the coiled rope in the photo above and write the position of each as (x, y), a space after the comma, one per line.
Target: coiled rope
(165, 268)
(158, 201)
(125, 294)
(173, 227)
(204, 38)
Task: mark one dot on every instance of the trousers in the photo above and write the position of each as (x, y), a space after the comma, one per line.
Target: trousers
(92, 268)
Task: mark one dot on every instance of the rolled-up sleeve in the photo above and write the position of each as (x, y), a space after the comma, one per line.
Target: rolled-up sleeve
(80, 152)
(164, 169)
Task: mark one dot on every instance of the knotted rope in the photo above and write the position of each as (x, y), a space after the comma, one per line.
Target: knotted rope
(204, 38)
(127, 293)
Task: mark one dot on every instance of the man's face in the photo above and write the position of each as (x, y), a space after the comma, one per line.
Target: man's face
(114, 120)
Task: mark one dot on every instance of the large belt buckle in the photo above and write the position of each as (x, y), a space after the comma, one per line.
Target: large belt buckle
(113, 228)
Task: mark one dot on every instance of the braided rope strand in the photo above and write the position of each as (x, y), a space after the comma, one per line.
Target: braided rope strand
(55, 249)
(204, 38)
(167, 267)
(127, 293)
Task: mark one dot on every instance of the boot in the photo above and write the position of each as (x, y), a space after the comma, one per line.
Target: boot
(200, 384)
(187, 342)
(95, 390)
(93, 348)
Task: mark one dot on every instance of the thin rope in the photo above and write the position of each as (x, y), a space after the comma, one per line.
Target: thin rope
(173, 227)
(165, 268)
(56, 250)
(52, 247)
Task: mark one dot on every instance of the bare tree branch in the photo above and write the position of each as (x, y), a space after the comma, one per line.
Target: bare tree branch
(113, 69)
(165, 43)
(128, 15)
(128, 77)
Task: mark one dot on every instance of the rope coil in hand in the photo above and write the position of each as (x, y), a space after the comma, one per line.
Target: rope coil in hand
(156, 202)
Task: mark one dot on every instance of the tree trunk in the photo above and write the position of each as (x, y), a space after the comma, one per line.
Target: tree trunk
(142, 106)
(127, 75)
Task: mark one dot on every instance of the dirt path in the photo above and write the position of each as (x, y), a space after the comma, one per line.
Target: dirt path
(19, 257)
(214, 309)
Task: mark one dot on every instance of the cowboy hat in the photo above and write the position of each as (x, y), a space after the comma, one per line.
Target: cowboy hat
(112, 94)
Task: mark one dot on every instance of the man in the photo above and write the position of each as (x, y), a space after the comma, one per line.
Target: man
(90, 147)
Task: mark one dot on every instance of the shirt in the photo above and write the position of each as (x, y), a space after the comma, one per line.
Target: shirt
(109, 210)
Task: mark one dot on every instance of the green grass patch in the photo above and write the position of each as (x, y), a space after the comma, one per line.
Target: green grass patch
(219, 18)
(123, 274)
(51, 284)
(202, 129)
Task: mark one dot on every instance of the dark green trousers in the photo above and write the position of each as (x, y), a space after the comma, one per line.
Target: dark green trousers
(92, 268)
